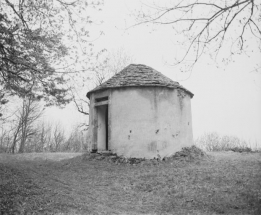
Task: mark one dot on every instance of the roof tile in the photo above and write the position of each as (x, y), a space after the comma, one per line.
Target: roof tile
(138, 75)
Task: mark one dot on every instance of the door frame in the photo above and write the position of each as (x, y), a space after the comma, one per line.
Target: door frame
(96, 133)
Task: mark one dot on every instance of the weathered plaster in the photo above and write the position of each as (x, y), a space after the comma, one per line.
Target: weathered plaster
(145, 121)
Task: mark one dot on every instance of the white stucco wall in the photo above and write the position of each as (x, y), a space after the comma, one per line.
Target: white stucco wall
(149, 122)
(144, 121)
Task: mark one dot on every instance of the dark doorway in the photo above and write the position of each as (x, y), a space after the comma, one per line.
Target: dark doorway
(102, 128)
(107, 126)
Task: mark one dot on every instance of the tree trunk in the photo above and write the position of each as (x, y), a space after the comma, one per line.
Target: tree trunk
(22, 144)
(14, 143)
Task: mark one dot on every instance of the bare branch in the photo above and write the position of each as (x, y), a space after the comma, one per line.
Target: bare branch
(80, 107)
(205, 24)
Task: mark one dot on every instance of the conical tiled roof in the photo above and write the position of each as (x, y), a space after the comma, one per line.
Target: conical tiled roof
(138, 75)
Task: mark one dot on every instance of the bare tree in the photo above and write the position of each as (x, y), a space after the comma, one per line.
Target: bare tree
(5, 116)
(58, 138)
(109, 64)
(45, 135)
(26, 116)
(16, 131)
(41, 140)
(76, 140)
(5, 139)
(118, 60)
(208, 26)
(105, 66)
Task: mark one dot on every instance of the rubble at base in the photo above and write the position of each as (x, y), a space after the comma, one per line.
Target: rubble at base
(186, 154)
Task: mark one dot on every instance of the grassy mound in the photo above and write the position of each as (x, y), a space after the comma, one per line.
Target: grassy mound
(186, 154)
(189, 153)
(227, 184)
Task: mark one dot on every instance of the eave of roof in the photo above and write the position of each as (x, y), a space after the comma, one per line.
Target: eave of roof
(138, 75)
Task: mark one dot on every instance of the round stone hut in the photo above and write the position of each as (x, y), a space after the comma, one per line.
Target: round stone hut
(140, 113)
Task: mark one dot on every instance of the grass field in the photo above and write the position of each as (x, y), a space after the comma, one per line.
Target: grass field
(71, 183)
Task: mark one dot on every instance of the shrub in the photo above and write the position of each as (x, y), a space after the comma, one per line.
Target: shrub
(215, 142)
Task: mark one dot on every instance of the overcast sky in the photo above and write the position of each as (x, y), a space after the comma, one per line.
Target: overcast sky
(227, 98)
